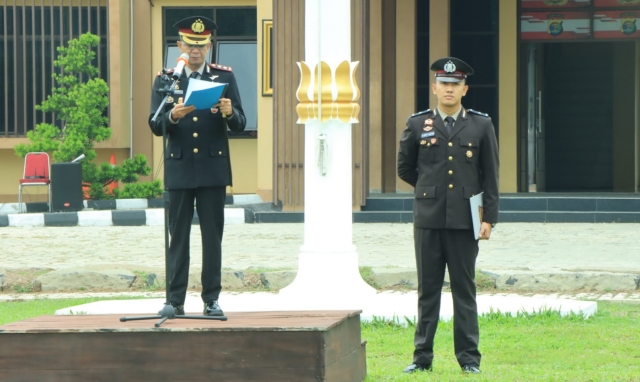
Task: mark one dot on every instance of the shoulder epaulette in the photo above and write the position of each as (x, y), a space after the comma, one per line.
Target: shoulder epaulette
(420, 113)
(168, 71)
(478, 113)
(221, 67)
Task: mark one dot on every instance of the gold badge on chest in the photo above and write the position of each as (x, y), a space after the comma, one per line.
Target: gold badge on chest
(469, 154)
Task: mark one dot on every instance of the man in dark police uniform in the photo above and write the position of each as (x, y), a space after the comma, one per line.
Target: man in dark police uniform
(448, 155)
(197, 163)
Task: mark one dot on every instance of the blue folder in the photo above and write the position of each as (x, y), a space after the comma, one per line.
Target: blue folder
(204, 94)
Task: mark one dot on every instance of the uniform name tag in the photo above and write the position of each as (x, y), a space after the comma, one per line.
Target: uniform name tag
(427, 135)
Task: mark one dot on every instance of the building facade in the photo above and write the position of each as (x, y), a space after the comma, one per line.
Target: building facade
(560, 79)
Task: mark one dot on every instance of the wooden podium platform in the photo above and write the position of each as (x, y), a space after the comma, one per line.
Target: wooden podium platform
(253, 346)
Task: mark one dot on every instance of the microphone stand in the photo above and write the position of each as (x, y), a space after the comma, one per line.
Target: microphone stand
(167, 312)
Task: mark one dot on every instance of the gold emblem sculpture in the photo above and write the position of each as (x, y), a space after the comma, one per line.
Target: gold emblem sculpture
(338, 92)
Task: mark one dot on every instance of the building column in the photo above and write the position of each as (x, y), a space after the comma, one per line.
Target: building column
(637, 119)
(508, 95)
(405, 80)
(439, 35)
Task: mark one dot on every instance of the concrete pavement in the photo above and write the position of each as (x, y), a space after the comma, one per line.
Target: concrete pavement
(554, 256)
(519, 257)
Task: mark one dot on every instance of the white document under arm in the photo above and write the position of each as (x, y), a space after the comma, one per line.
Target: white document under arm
(476, 213)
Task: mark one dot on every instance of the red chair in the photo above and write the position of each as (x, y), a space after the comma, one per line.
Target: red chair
(36, 173)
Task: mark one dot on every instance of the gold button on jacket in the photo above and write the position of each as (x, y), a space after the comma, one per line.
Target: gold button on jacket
(195, 135)
(195, 151)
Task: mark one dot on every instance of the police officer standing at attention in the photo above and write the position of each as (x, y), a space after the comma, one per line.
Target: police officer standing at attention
(448, 155)
(197, 163)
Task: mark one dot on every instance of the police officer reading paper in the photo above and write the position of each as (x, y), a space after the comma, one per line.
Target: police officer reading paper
(197, 163)
(448, 155)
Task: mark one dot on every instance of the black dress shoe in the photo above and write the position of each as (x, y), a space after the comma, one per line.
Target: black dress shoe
(178, 308)
(417, 367)
(471, 368)
(212, 309)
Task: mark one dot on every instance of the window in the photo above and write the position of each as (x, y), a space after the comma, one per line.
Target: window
(30, 36)
(474, 39)
(242, 57)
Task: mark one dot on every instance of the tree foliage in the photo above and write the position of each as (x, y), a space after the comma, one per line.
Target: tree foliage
(79, 103)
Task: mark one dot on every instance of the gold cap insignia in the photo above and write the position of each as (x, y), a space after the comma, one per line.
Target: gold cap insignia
(197, 26)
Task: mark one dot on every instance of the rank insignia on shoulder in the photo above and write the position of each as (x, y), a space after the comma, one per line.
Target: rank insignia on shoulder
(478, 113)
(221, 67)
(420, 113)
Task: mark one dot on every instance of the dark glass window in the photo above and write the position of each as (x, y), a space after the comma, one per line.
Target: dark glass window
(474, 39)
(479, 51)
(474, 16)
(236, 22)
(28, 46)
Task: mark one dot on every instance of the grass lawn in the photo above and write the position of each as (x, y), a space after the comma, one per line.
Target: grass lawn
(542, 347)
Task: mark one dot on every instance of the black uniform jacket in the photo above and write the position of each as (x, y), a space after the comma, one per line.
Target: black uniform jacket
(447, 171)
(198, 150)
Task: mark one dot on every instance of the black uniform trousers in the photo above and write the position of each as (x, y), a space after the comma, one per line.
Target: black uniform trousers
(456, 249)
(210, 207)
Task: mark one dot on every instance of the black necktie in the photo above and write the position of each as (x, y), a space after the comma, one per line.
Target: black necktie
(194, 75)
(449, 126)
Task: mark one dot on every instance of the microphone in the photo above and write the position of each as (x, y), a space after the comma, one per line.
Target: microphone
(182, 61)
(78, 158)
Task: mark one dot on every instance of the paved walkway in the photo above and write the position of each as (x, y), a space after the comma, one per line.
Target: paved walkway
(537, 248)
(516, 246)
